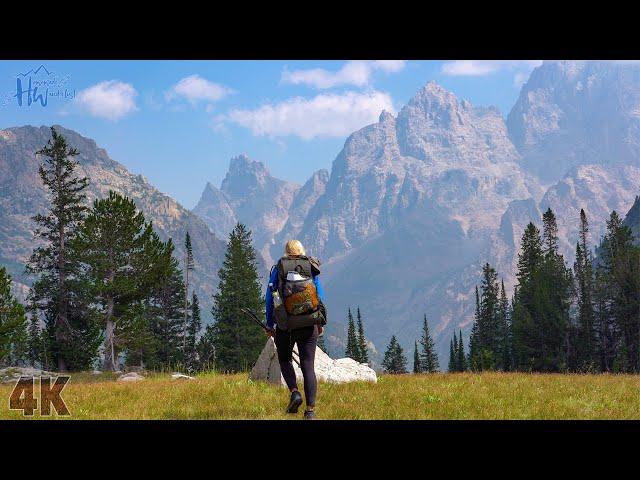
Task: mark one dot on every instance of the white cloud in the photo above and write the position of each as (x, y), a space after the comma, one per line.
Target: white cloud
(356, 72)
(194, 88)
(325, 115)
(110, 99)
(520, 78)
(486, 67)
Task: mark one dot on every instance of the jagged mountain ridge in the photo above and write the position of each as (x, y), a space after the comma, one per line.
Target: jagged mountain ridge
(22, 195)
(444, 165)
(251, 195)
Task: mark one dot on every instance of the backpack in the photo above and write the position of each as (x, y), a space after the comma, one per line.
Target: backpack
(302, 306)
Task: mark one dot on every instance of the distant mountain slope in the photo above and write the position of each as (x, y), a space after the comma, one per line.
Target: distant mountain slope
(248, 194)
(632, 220)
(574, 113)
(22, 195)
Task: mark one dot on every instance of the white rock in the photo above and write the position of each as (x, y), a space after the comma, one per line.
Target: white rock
(343, 370)
(12, 374)
(179, 376)
(130, 377)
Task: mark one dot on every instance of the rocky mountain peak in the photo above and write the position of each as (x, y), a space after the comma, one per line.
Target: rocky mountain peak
(385, 117)
(244, 175)
(577, 113)
(632, 220)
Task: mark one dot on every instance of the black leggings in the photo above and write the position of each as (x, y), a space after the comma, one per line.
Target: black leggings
(306, 339)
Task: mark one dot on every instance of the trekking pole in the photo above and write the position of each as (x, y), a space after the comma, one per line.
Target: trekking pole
(254, 317)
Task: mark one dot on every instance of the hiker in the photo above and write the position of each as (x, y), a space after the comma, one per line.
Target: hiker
(295, 305)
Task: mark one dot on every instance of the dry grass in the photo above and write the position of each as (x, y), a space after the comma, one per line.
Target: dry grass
(437, 396)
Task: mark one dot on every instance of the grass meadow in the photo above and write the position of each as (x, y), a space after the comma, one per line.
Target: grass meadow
(465, 396)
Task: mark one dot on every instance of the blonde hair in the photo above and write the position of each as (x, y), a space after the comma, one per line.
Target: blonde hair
(294, 248)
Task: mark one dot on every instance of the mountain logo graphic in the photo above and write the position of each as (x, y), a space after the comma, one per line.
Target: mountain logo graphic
(36, 71)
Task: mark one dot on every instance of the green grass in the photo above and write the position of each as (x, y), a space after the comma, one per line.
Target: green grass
(436, 396)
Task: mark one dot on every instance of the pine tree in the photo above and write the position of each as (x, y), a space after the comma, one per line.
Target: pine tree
(111, 243)
(394, 360)
(542, 301)
(428, 355)
(13, 324)
(73, 339)
(166, 308)
(35, 347)
(504, 330)
(206, 350)
(556, 285)
(352, 350)
(237, 340)
(462, 364)
(583, 273)
(474, 339)
(489, 328)
(188, 266)
(526, 341)
(362, 341)
(321, 342)
(453, 354)
(618, 278)
(193, 329)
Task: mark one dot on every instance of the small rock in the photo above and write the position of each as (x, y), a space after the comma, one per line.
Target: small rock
(12, 374)
(96, 372)
(130, 377)
(178, 376)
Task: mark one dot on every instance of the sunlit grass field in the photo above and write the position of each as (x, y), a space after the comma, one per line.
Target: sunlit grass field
(395, 397)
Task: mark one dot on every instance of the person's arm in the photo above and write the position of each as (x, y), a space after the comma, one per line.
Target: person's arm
(268, 298)
(320, 292)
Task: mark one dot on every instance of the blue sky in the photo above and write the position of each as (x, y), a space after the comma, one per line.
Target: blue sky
(179, 122)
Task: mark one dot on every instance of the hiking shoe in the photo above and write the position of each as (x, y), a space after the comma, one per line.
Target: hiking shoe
(309, 415)
(294, 402)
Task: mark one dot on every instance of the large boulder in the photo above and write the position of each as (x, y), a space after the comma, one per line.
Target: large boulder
(327, 369)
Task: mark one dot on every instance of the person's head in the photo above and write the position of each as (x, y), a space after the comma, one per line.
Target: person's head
(294, 248)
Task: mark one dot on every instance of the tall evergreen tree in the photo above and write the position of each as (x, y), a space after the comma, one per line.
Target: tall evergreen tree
(394, 359)
(13, 324)
(585, 344)
(237, 340)
(542, 301)
(193, 330)
(462, 363)
(618, 278)
(428, 356)
(453, 354)
(352, 350)
(504, 329)
(206, 349)
(556, 285)
(474, 340)
(489, 327)
(525, 335)
(362, 341)
(111, 242)
(321, 342)
(416, 359)
(188, 266)
(73, 337)
(35, 341)
(166, 306)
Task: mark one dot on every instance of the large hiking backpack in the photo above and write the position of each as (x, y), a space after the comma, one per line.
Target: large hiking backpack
(302, 307)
